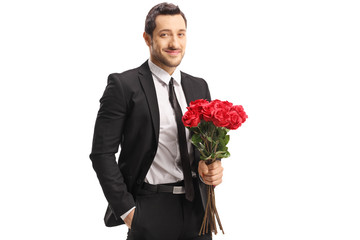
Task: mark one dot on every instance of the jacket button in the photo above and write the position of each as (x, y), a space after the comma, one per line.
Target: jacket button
(139, 181)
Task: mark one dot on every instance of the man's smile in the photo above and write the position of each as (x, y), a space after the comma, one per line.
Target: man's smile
(173, 52)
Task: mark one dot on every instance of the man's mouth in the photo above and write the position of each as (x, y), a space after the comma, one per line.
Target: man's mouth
(173, 52)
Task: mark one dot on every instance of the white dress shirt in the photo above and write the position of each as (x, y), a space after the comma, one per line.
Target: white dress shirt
(166, 167)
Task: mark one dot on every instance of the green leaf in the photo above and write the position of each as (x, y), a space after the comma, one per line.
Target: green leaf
(226, 154)
(201, 146)
(221, 132)
(226, 139)
(206, 158)
(220, 152)
(195, 139)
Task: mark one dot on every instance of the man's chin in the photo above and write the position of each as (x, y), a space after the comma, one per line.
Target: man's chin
(173, 63)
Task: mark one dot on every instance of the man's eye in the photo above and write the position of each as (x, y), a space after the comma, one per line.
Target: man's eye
(181, 34)
(163, 35)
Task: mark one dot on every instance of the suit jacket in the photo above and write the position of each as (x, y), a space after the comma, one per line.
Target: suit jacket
(129, 117)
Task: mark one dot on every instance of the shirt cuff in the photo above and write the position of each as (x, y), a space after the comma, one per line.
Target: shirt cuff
(201, 179)
(126, 214)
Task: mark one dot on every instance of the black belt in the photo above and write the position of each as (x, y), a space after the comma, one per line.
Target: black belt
(174, 188)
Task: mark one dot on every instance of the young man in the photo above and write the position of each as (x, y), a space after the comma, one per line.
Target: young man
(157, 188)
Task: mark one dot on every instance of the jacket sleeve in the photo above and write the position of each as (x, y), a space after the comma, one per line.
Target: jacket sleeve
(107, 138)
(208, 96)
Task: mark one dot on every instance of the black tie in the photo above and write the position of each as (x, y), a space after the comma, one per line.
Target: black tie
(184, 154)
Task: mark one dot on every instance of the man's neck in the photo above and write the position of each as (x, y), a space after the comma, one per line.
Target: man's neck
(169, 70)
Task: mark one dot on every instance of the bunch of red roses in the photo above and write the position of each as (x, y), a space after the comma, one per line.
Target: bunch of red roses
(210, 123)
(221, 113)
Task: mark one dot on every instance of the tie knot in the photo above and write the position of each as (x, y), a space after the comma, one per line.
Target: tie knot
(171, 82)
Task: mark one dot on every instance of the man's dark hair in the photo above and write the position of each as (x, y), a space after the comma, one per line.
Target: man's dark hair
(161, 9)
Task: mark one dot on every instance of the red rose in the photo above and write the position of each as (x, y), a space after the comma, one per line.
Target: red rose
(198, 106)
(219, 108)
(235, 120)
(237, 116)
(198, 103)
(208, 111)
(221, 117)
(240, 110)
(191, 118)
(225, 105)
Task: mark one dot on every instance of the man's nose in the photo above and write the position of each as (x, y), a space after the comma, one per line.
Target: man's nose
(174, 42)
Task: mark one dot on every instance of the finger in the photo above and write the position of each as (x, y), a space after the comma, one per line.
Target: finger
(214, 165)
(216, 183)
(215, 171)
(213, 183)
(203, 168)
(212, 179)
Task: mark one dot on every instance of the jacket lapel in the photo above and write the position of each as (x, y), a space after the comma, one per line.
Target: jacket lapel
(148, 86)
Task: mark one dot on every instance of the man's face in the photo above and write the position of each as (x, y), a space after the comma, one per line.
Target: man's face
(168, 43)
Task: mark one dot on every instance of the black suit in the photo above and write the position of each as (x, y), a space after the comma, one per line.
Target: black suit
(129, 116)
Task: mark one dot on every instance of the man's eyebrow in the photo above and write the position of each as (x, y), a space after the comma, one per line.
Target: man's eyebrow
(169, 30)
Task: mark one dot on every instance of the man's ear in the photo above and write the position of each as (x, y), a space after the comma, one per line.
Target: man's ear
(147, 39)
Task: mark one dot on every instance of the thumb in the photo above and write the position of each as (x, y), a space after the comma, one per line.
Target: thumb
(203, 168)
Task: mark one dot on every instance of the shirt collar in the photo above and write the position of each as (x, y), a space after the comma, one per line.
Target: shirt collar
(164, 76)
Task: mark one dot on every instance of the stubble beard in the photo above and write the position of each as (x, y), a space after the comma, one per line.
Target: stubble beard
(163, 60)
(156, 54)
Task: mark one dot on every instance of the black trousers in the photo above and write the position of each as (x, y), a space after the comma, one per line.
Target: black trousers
(167, 216)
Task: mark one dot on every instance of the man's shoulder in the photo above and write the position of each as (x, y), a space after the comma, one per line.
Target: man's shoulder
(129, 75)
(126, 74)
(195, 85)
(186, 76)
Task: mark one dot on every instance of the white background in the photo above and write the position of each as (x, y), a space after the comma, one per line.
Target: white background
(293, 65)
